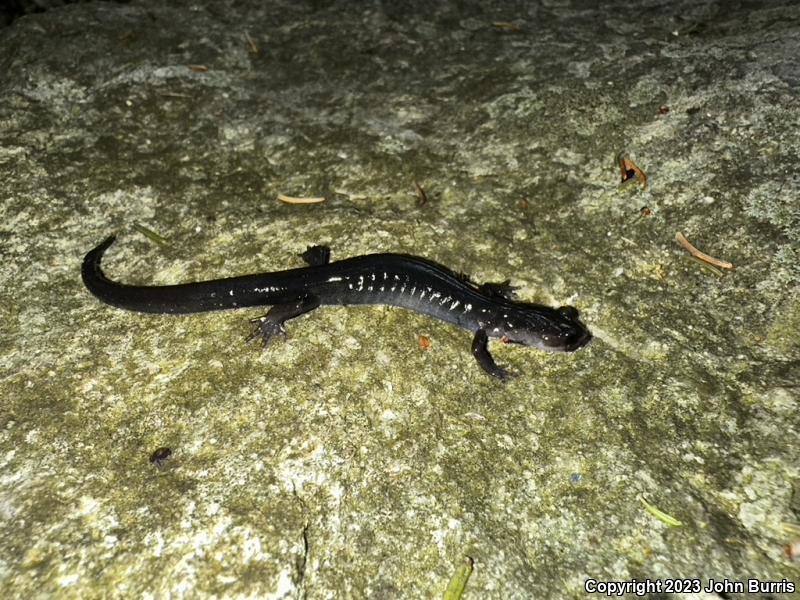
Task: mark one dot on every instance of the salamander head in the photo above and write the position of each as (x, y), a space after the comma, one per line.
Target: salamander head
(550, 329)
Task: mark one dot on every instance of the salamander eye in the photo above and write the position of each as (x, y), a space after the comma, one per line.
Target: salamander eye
(569, 312)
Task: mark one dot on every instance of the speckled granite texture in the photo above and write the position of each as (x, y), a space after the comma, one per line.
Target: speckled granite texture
(348, 461)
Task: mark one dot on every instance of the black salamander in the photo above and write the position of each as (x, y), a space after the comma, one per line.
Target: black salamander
(489, 310)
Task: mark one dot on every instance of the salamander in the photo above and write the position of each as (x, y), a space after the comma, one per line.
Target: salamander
(490, 310)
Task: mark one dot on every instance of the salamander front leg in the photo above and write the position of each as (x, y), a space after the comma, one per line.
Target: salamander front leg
(270, 325)
(480, 350)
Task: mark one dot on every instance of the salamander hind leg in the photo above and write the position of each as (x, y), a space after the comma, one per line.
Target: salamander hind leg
(500, 289)
(480, 350)
(316, 256)
(270, 325)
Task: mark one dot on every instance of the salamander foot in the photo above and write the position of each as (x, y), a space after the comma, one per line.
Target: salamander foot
(270, 325)
(265, 330)
(480, 350)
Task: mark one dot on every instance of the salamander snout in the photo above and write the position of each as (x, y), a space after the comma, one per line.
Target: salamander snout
(574, 334)
(550, 329)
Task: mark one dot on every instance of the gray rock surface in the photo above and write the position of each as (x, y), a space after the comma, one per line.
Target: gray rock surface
(348, 462)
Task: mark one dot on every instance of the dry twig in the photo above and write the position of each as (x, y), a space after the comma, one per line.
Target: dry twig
(300, 199)
(722, 264)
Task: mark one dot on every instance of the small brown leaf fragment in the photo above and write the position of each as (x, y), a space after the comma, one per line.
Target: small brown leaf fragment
(644, 213)
(508, 26)
(425, 342)
(251, 44)
(792, 550)
(198, 68)
(630, 170)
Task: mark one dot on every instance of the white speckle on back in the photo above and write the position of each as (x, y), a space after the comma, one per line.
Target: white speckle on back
(334, 278)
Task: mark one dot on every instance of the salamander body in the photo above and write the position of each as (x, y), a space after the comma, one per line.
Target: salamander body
(488, 311)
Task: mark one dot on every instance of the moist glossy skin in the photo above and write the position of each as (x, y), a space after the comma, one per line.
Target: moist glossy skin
(411, 282)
